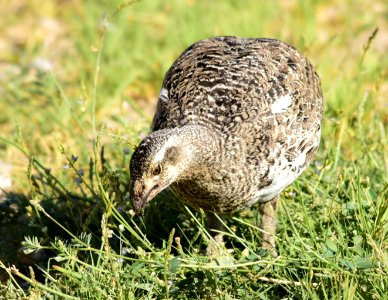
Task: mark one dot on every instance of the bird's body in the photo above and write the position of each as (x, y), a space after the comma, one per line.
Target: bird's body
(237, 121)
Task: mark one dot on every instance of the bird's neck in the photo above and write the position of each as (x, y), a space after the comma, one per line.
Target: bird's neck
(202, 146)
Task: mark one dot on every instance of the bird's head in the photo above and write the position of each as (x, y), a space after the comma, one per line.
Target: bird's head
(156, 163)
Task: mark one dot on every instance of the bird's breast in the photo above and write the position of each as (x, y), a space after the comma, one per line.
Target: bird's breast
(221, 191)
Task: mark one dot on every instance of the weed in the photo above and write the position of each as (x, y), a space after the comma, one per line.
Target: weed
(78, 82)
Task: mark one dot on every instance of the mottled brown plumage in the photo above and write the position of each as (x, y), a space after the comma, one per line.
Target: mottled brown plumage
(237, 121)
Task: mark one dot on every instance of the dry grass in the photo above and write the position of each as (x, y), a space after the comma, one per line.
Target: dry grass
(333, 226)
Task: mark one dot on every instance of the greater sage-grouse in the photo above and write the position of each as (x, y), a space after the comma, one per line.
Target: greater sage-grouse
(237, 121)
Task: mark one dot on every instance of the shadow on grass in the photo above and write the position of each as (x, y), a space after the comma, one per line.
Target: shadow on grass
(75, 212)
(19, 219)
(13, 227)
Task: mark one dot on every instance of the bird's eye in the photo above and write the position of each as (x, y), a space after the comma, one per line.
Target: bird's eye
(157, 170)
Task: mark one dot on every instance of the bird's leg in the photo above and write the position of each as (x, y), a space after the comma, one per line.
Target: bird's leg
(268, 212)
(214, 226)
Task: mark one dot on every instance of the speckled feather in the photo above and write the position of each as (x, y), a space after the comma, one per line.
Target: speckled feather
(247, 110)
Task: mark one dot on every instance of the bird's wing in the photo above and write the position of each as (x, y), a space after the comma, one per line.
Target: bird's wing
(225, 82)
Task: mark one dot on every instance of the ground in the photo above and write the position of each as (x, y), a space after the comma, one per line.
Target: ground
(78, 86)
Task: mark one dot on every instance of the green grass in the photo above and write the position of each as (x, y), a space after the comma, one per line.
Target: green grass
(78, 84)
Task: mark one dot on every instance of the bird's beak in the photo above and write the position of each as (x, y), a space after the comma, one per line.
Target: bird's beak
(142, 193)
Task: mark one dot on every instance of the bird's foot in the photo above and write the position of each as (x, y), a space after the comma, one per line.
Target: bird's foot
(270, 247)
(215, 246)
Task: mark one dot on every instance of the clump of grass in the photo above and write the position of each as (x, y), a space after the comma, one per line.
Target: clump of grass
(72, 196)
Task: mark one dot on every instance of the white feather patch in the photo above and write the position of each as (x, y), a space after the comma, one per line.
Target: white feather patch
(163, 95)
(300, 160)
(280, 105)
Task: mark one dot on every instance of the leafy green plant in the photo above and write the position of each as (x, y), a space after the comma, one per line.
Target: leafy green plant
(70, 133)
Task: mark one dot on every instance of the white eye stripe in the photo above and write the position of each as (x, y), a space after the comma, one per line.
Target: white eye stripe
(281, 104)
(160, 154)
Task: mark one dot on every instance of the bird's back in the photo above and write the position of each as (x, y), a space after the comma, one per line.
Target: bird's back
(261, 95)
(224, 81)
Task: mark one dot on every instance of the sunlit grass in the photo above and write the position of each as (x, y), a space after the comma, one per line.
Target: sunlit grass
(78, 89)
